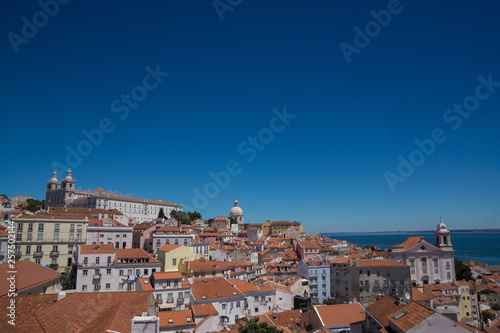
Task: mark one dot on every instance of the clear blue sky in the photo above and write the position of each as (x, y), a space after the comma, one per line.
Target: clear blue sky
(326, 168)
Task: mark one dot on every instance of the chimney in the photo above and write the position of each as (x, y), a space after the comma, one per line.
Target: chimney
(61, 295)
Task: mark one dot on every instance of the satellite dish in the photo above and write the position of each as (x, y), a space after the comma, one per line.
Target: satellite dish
(407, 295)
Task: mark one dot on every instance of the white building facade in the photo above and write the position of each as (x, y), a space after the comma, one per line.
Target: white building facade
(429, 264)
(64, 194)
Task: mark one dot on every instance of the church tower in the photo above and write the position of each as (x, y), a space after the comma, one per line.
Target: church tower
(68, 188)
(442, 235)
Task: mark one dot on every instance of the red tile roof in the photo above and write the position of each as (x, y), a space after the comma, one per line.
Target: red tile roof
(382, 308)
(133, 254)
(210, 288)
(28, 275)
(175, 318)
(169, 247)
(97, 249)
(414, 313)
(202, 310)
(340, 314)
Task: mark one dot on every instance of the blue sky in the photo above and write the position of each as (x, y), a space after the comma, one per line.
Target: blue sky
(326, 165)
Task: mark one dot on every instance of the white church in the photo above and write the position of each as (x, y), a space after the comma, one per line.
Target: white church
(64, 194)
(429, 264)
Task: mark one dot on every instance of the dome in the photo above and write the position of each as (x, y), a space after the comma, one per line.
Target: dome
(441, 226)
(68, 176)
(54, 177)
(236, 210)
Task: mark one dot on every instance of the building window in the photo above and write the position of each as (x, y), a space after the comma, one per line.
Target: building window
(72, 228)
(78, 237)
(37, 261)
(30, 227)
(84, 287)
(79, 228)
(109, 260)
(108, 285)
(29, 237)
(376, 283)
(40, 227)
(28, 249)
(174, 261)
(85, 272)
(39, 249)
(108, 271)
(55, 248)
(40, 237)
(19, 237)
(70, 249)
(97, 260)
(56, 237)
(97, 287)
(19, 227)
(85, 260)
(56, 227)
(121, 272)
(71, 238)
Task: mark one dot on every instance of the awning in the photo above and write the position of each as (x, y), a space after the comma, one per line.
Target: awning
(166, 306)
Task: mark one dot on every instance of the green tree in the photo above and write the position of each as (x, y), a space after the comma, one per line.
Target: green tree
(254, 327)
(487, 315)
(462, 271)
(161, 214)
(67, 281)
(33, 205)
(186, 220)
(194, 215)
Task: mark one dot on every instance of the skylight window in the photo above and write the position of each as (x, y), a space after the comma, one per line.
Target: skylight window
(170, 321)
(218, 295)
(205, 281)
(235, 293)
(215, 280)
(399, 315)
(188, 319)
(146, 281)
(203, 297)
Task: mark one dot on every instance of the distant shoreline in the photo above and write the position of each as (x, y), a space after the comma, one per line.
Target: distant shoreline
(407, 232)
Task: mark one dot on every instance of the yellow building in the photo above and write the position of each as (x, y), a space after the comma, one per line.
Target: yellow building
(266, 228)
(49, 240)
(170, 256)
(465, 304)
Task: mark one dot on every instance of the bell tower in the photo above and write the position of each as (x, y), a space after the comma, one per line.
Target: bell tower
(442, 235)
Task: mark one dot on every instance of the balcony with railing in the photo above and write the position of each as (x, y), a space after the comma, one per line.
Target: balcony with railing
(54, 254)
(97, 276)
(38, 254)
(18, 255)
(54, 266)
(180, 301)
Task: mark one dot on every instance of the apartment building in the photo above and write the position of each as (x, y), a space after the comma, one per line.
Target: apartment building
(49, 240)
(317, 271)
(104, 268)
(108, 231)
(364, 280)
(169, 235)
(171, 290)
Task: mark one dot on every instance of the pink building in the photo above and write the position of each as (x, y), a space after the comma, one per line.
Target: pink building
(306, 250)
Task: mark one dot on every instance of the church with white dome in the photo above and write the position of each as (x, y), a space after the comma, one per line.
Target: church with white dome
(236, 213)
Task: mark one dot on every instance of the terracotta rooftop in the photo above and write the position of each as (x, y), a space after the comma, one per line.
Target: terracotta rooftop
(169, 247)
(202, 310)
(175, 318)
(133, 254)
(413, 314)
(83, 312)
(97, 249)
(382, 308)
(28, 275)
(340, 314)
(213, 289)
(377, 263)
